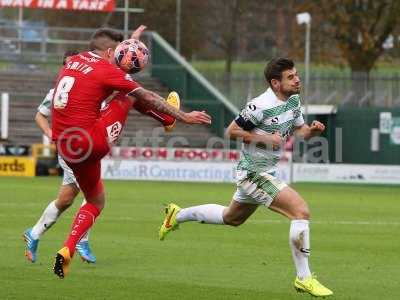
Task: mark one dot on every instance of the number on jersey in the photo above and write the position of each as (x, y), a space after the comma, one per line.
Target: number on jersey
(61, 95)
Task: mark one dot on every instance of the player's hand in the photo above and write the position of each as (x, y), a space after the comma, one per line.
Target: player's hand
(138, 32)
(317, 127)
(276, 140)
(197, 117)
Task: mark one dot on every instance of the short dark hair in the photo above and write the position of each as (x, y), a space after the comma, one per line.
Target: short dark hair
(105, 38)
(275, 67)
(69, 53)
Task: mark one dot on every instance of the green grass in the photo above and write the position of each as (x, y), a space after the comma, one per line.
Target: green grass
(355, 245)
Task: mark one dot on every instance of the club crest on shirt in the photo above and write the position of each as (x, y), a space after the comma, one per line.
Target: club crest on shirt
(113, 131)
(296, 113)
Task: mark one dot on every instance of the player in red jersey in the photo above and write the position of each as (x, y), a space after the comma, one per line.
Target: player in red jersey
(83, 133)
(69, 189)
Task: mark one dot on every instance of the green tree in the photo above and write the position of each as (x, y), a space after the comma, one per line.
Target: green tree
(160, 16)
(223, 22)
(361, 27)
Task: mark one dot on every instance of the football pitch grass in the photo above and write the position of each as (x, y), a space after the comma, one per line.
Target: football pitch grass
(354, 240)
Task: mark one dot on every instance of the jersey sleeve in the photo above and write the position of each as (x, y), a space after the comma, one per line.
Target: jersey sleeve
(297, 114)
(45, 107)
(250, 117)
(117, 79)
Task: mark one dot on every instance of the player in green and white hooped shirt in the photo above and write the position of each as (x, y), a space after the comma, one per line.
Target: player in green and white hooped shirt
(263, 126)
(68, 191)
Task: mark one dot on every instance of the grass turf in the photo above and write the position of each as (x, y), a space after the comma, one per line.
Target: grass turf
(354, 240)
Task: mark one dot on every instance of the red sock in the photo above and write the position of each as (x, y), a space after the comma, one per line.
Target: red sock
(159, 116)
(84, 219)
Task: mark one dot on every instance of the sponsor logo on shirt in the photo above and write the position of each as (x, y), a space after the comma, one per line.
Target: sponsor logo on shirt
(113, 131)
(252, 107)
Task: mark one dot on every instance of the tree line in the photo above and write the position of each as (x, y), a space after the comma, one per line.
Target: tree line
(356, 33)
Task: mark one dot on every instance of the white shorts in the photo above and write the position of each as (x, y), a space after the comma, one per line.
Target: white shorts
(257, 188)
(69, 177)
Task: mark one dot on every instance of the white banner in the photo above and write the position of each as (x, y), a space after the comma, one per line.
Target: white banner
(168, 170)
(177, 171)
(225, 172)
(346, 173)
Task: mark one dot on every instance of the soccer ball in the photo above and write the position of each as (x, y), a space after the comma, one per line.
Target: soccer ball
(131, 56)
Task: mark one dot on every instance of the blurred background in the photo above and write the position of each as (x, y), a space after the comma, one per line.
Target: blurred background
(214, 53)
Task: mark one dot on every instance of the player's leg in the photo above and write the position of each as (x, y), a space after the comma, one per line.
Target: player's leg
(166, 120)
(247, 198)
(83, 246)
(92, 187)
(66, 195)
(105, 131)
(290, 204)
(234, 215)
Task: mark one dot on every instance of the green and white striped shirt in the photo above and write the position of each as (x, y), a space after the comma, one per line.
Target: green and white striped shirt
(45, 107)
(269, 114)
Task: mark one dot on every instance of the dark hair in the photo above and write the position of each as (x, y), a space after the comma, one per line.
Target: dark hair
(69, 53)
(275, 67)
(105, 38)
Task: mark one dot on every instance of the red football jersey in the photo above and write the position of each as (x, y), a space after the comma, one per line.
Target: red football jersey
(82, 84)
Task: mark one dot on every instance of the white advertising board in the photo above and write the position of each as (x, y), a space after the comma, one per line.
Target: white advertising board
(224, 171)
(168, 170)
(346, 173)
(177, 171)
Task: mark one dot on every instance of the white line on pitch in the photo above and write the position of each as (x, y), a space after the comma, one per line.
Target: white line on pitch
(362, 223)
(369, 223)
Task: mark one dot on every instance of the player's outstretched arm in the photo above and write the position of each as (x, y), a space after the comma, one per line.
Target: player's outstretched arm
(138, 32)
(158, 103)
(305, 131)
(43, 124)
(235, 132)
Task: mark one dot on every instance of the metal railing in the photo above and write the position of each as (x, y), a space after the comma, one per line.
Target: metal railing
(41, 43)
(378, 90)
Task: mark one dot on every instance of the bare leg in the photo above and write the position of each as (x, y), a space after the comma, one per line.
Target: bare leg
(290, 204)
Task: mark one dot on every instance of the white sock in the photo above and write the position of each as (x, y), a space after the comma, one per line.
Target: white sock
(208, 213)
(299, 240)
(48, 218)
